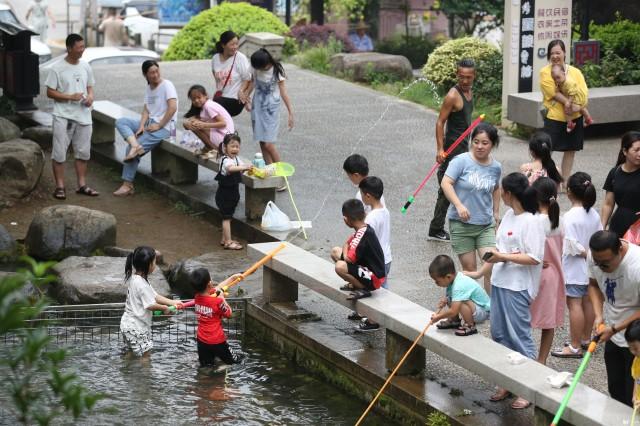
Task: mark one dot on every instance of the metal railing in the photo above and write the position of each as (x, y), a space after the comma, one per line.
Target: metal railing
(96, 323)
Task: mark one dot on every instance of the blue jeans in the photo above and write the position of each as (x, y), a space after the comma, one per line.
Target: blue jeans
(127, 127)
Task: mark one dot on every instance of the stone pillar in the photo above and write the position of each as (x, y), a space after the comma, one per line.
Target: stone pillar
(255, 201)
(396, 347)
(180, 170)
(543, 418)
(277, 287)
(102, 132)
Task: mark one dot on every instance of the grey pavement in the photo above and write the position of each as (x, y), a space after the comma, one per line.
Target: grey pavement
(335, 118)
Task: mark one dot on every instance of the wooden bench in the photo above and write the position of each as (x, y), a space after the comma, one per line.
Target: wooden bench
(404, 320)
(606, 104)
(180, 164)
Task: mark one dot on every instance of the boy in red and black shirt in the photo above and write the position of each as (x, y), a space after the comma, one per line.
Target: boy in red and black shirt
(360, 261)
(211, 307)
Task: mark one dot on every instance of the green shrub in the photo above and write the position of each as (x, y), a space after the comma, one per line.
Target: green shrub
(197, 39)
(442, 63)
(621, 37)
(612, 71)
(415, 49)
(317, 58)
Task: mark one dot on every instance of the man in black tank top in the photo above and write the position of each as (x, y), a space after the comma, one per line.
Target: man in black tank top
(456, 113)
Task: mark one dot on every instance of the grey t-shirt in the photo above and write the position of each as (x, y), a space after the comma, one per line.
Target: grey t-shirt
(474, 184)
(69, 79)
(621, 289)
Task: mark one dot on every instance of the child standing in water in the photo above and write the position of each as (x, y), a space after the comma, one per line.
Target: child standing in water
(142, 300)
(211, 307)
(228, 193)
(268, 80)
(208, 120)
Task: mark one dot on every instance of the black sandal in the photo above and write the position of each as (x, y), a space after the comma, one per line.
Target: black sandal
(348, 287)
(448, 324)
(60, 194)
(466, 330)
(359, 294)
(88, 191)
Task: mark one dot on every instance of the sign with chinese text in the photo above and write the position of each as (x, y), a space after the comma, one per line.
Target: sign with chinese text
(586, 51)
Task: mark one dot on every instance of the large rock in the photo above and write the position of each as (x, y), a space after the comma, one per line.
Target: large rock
(42, 135)
(7, 244)
(358, 65)
(65, 230)
(220, 264)
(8, 130)
(98, 279)
(21, 165)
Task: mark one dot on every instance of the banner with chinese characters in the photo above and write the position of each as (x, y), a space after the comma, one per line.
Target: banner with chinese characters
(552, 22)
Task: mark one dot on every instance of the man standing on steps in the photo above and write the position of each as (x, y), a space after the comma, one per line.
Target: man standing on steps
(456, 113)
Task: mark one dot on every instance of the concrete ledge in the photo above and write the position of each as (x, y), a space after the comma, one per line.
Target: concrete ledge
(606, 105)
(476, 353)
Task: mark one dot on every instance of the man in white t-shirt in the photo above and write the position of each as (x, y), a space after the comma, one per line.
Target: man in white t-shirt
(614, 284)
(70, 85)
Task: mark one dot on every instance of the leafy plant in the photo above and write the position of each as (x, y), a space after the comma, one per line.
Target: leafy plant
(613, 70)
(621, 37)
(467, 14)
(318, 58)
(442, 64)
(437, 418)
(415, 49)
(314, 35)
(30, 358)
(197, 39)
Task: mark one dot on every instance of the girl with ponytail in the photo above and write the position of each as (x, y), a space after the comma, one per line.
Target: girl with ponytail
(547, 309)
(542, 164)
(517, 265)
(142, 300)
(580, 223)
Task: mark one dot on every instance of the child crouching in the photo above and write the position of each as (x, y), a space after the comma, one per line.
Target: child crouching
(211, 307)
(466, 299)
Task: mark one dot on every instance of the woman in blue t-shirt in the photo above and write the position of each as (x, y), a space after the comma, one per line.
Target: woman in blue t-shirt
(472, 186)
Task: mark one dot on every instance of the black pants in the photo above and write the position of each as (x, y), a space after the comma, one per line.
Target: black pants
(233, 106)
(618, 362)
(442, 204)
(207, 354)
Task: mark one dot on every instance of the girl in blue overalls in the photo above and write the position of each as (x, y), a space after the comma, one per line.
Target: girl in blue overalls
(268, 80)
(228, 193)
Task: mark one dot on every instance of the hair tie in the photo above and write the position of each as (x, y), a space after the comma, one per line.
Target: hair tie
(552, 198)
(587, 183)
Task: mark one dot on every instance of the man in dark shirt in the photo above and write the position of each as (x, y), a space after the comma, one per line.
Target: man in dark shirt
(456, 113)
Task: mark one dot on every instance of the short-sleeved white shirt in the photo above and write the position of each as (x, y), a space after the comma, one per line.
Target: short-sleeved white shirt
(156, 101)
(140, 296)
(69, 79)
(621, 289)
(525, 234)
(579, 226)
(367, 208)
(380, 221)
(241, 72)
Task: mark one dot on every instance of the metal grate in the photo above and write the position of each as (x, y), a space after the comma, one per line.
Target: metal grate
(71, 324)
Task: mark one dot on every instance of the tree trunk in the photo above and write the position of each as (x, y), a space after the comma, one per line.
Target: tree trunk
(317, 12)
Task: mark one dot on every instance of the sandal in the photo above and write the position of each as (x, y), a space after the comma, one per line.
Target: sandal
(448, 324)
(232, 245)
(520, 403)
(467, 330)
(348, 287)
(136, 151)
(359, 294)
(124, 190)
(60, 194)
(88, 191)
(500, 395)
(568, 352)
(354, 316)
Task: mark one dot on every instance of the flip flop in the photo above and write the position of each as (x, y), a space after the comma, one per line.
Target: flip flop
(566, 352)
(87, 190)
(520, 404)
(359, 294)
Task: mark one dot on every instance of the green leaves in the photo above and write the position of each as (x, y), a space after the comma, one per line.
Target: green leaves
(28, 359)
(197, 39)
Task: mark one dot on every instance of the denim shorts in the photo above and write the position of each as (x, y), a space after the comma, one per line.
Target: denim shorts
(576, 290)
(466, 237)
(480, 315)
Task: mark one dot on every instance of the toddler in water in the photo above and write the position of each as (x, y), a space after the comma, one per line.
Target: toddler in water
(208, 120)
(228, 193)
(211, 307)
(142, 300)
(571, 91)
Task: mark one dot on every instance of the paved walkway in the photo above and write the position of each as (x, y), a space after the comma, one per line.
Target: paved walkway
(335, 118)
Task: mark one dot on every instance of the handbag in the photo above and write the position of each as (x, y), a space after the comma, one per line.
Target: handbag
(218, 93)
(633, 233)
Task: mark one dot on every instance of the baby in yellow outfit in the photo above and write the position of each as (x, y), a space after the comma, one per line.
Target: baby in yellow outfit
(571, 91)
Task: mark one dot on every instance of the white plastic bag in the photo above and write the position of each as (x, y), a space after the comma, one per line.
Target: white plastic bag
(190, 141)
(275, 219)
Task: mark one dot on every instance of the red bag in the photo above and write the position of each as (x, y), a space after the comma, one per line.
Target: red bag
(218, 93)
(633, 233)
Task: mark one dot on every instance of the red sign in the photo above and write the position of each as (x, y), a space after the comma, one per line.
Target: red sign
(586, 51)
